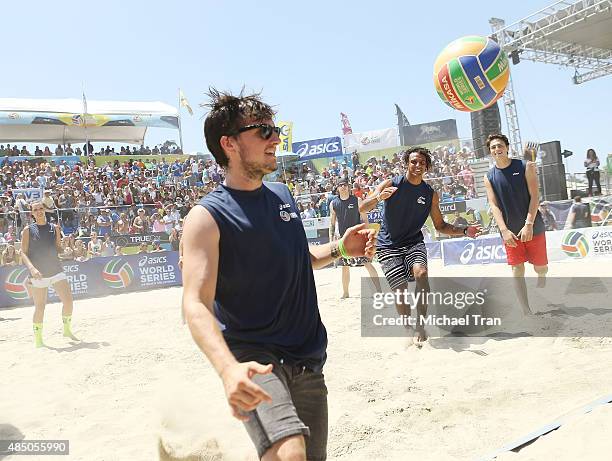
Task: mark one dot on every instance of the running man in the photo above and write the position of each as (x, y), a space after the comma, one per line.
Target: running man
(512, 190)
(345, 209)
(408, 201)
(248, 288)
(40, 244)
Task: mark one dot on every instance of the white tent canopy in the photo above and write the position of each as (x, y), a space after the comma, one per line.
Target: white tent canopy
(61, 121)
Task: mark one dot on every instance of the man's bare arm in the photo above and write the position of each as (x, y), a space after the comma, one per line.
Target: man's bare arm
(369, 203)
(438, 221)
(200, 269)
(531, 176)
(200, 264)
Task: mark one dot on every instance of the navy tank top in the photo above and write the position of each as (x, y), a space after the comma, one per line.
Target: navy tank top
(265, 295)
(510, 187)
(404, 214)
(42, 251)
(347, 212)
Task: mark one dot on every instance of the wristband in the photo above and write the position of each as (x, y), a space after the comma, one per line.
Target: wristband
(342, 250)
(529, 222)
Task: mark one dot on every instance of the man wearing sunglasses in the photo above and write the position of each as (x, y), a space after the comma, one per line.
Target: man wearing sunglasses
(249, 296)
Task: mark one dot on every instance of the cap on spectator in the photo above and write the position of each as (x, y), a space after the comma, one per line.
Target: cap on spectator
(342, 181)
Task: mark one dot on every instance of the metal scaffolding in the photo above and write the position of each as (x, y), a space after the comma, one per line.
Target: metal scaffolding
(575, 34)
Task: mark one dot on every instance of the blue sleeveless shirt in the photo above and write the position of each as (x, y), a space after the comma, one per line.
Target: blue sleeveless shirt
(347, 213)
(404, 214)
(265, 296)
(510, 187)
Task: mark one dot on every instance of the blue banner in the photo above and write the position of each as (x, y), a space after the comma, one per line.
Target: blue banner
(318, 148)
(485, 250)
(99, 277)
(434, 250)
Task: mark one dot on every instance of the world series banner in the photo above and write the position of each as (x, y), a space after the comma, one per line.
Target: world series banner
(99, 277)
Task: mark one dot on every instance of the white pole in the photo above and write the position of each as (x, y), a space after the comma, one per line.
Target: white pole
(179, 122)
(85, 125)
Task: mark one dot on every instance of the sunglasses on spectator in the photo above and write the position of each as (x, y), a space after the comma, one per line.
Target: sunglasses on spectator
(265, 130)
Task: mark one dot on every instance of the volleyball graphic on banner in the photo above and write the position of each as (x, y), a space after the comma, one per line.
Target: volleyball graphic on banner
(15, 283)
(471, 73)
(118, 274)
(575, 244)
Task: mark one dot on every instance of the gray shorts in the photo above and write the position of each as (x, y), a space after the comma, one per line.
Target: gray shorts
(299, 406)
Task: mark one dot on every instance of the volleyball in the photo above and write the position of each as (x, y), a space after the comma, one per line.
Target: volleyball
(471, 73)
(15, 283)
(575, 244)
(118, 274)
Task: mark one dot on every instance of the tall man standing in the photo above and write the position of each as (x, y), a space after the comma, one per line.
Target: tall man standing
(512, 190)
(408, 201)
(248, 289)
(345, 209)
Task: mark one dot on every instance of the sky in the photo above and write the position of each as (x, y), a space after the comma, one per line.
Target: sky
(311, 60)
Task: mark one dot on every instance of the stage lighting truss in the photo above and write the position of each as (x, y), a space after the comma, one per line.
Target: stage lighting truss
(538, 37)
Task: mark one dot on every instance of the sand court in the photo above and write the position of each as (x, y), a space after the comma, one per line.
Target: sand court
(137, 386)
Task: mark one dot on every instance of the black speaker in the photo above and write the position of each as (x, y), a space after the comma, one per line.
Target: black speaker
(552, 152)
(552, 182)
(484, 123)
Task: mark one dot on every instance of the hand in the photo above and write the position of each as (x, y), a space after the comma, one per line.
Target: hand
(35, 273)
(360, 241)
(387, 192)
(509, 238)
(526, 233)
(474, 231)
(243, 395)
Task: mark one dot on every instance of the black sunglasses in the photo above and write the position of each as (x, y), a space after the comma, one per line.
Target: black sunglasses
(265, 130)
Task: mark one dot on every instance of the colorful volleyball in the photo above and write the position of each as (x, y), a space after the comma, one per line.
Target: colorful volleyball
(15, 283)
(118, 274)
(471, 73)
(575, 244)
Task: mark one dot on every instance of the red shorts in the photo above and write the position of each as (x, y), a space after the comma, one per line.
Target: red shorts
(533, 251)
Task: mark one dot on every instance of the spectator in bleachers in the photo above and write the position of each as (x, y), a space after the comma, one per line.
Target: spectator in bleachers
(94, 247)
(80, 251)
(108, 246)
(9, 256)
(67, 253)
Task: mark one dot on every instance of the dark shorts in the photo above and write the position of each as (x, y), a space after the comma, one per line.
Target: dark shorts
(299, 406)
(397, 262)
(533, 251)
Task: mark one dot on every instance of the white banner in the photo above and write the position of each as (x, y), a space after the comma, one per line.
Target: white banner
(371, 140)
(585, 243)
(29, 194)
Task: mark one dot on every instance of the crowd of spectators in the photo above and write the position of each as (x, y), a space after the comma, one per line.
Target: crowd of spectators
(117, 198)
(451, 176)
(124, 197)
(88, 149)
